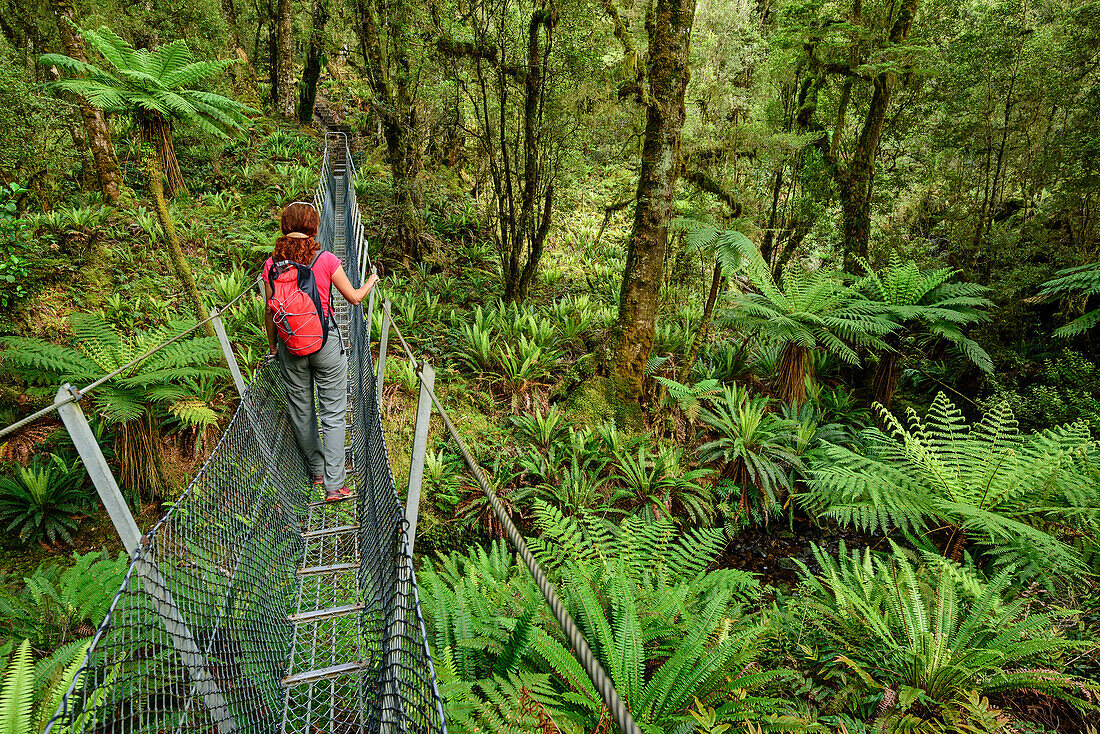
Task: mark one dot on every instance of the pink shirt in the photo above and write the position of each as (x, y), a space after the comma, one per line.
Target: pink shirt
(323, 268)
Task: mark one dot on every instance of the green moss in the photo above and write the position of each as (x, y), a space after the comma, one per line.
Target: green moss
(597, 401)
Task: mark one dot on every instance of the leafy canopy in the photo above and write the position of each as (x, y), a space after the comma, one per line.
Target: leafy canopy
(156, 83)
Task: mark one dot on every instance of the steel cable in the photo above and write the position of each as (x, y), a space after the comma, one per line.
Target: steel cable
(583, 652)
(110, 375)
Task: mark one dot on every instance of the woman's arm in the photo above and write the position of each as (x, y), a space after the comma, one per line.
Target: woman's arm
(354, 296)
(269, 322)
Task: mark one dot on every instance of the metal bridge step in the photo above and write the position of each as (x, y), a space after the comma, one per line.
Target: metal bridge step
(332, 671)
(319, 614)
(337, 503)
(330, 531)
(333, 568)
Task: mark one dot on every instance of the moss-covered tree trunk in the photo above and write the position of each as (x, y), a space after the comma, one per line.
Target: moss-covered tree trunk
(669, 29)
(312, 71)
(283, 91)
(179, 263)
(855, 180)
(97, 133)
(390, 74)
(704, 326)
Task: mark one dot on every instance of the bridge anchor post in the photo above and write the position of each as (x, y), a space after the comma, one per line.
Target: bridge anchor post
(174, 624)
(383, 344)
(419, 448)
(227, 350)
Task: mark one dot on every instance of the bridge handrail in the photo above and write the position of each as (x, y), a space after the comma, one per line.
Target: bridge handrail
(78, 394)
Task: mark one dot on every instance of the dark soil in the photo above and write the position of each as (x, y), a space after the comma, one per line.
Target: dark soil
(771, 551)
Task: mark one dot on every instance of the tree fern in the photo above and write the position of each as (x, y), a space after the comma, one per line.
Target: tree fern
(1083, 281)
(913, 297)
(168, 380)
(809, 310)
(155, 87)
(986, 484)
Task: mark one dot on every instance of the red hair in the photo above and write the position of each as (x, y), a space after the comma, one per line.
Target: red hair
(302, 218)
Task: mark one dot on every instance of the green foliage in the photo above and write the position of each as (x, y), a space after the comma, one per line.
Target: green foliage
(156, 82)
(730, 247)
(509, 346)
(660, 483)
(689, 398)
(1066, 390)
(31, 692)
(58, 603)
(40, 501)
(663, 627)
(542, 430)
(171, 380)
(754, 447)
(987, 484)
(1083, 281)
(30, 120)
(920, 639)
(910, 294)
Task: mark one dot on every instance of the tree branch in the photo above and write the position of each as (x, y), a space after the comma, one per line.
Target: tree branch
(476, 51)
(703, 181)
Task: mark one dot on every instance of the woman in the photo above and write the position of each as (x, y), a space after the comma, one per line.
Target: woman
(325, 369)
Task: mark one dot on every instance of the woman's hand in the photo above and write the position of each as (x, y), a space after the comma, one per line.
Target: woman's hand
(354, 296)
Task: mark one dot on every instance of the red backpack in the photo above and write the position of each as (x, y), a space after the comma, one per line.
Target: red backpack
(298, 316)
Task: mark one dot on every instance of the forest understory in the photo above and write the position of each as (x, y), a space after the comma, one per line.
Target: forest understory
(772, 325)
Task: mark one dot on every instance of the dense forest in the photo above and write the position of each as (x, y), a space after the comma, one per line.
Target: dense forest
(771, 323)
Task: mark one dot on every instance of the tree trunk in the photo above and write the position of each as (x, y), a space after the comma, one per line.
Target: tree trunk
(284, 60)
(855, 181)
(312, 71)
(885, 381)
(175, 252)
(704, 326)
(98, 134)
(157, 131)
(669, 30)
(532, 229)
(391, 78)
(794, 366)
(229, 12)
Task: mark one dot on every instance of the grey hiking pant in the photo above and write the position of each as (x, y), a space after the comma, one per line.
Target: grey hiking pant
(327, 371)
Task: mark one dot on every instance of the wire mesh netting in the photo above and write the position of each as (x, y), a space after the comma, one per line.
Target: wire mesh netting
(254, 605)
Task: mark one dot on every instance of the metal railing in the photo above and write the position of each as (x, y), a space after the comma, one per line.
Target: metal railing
(252, 605)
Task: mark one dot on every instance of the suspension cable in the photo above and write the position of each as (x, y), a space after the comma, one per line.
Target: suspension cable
(92, 386)
(615, 705)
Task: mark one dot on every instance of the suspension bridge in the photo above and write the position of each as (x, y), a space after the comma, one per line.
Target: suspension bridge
(254, 606)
